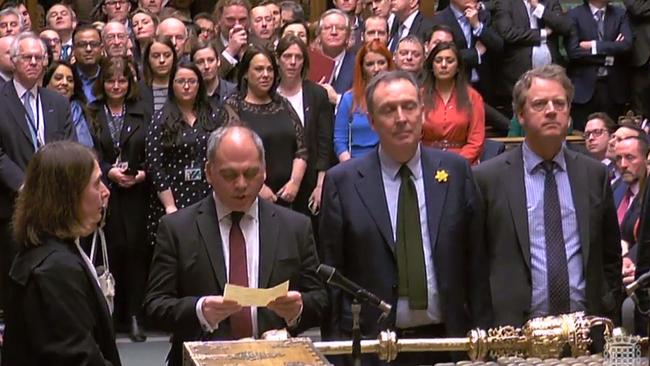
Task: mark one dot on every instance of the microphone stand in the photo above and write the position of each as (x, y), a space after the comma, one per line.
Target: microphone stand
(356, 332)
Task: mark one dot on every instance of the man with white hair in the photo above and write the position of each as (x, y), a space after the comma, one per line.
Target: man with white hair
(62, 19)
(177, 33)
(11, 22)
(32, 117)
(116, 39)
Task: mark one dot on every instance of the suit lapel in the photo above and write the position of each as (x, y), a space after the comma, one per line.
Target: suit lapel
(307, 103)
(373, 197)
(269, 230)
(208, 225)
(514, 186)
(579, 192)
(415, 26)
(435, 194)
(17, 109)
(456, 29)
(523, 12)
(48, 109)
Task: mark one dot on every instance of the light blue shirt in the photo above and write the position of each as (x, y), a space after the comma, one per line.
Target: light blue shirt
(87, 84)
(468, 32)
(407, 317)
(534, 176)
(80, 124)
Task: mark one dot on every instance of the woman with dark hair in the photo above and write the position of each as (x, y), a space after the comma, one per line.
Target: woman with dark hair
(176, 146)
(454, 113)
(55, 312)
(296, 28)
(316, 114)
(119, 122)
(61, 77)
(144, 26)
(260, 107)
(353, 136)
(205, 55)
(159, 61)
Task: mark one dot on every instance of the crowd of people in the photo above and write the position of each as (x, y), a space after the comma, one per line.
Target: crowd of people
(195, 134)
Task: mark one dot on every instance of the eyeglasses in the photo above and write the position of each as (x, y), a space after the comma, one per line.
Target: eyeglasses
(559, 105)
(337, 27)
(86, 44)
(52, 41)
(206, 30)
(183, 82)
(29, 58)
(116, 36)
(595, 133)
(114, 3)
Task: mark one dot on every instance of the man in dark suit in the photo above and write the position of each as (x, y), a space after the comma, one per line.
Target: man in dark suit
(6, 66)
(598, 49)
(408, 21)
(232, 37)
(638, 12)
(233, 237)
(400, 222)
(334, 28)
(530, 31)
(550, 222)
(32, 116)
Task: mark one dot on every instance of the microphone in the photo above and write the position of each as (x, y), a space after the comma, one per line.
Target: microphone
(643, 281)
(332, 277)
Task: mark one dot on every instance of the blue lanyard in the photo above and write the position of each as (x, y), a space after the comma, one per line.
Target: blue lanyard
(36, 126)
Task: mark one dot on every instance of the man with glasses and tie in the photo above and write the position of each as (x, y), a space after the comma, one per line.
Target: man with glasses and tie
(232, 236)
(598, 130)
(550, 221)
(599, 49)
(32, 116)
(116, 39)
(87, 52)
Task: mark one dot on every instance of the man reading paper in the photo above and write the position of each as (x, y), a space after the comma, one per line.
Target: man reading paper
(232, 237)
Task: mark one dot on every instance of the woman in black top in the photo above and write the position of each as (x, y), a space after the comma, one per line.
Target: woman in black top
(119, 124)
(176, 145)
(260, 107)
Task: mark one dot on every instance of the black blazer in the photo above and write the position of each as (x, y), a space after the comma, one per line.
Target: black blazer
(512, 22)
(55, 312)
(16, 146)
(638, 12)
(583, 68)
(501, 184)
(356, 238)
(128, 205)
(421, 27)
(188, 263)
(319, 130)
(343, 82)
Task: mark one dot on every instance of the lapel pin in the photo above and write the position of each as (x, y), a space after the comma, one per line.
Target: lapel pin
(441, 176)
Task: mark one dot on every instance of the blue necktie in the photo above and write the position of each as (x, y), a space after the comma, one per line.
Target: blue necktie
(31, 121)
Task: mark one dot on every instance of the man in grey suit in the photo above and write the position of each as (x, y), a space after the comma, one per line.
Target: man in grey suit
(550, 222)
(31, 117)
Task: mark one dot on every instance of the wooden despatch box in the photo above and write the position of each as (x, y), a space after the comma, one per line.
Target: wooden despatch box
(290, 352)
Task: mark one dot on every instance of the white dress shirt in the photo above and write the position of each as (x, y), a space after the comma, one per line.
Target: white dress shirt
(37, 108)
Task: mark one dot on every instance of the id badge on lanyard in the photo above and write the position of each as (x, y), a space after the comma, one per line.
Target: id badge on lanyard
(34, 126)
(192, 173)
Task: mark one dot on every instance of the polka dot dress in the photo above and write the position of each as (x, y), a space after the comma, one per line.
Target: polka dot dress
(167, 167)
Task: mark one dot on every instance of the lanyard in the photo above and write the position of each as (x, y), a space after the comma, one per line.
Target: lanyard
(35, 126)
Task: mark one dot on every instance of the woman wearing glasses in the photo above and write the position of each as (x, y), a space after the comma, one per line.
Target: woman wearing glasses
(176, 145)
(258, 105)
(454, 114)
(119, 123)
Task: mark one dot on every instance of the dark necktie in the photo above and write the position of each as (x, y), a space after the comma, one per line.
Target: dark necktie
(623, 206)
(410, 254)
(65, 52)
(600, 21)
(31, 119)
(395, 35)
(556, 261)
(241, 323)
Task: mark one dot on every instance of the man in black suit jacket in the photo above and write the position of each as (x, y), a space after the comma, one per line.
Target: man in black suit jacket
(638, 12)
(409, 20)
(526, 46)
(20, 134)
(195, 257)
(599, 60)
(362, 231)
(553, 243)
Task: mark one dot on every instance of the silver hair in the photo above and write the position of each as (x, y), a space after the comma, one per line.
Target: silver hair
(15, 45)
(187, 33)
(386, 77)
(348, 22)
(113, 22)
(217, 136)
(73, 15)
(14, 11)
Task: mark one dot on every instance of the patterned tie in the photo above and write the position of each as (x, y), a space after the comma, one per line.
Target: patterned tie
(241, 323)
(556, 261)
(623, 206)
(396, 36)
(65, 52)
(32, 123)
(600, 17)
(410, 254)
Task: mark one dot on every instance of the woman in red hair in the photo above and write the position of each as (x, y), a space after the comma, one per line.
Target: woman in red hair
(353, 135)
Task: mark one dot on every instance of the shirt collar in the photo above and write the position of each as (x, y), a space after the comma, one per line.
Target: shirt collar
(532, 160)
(90, 78)
(339, 57)
(391, 168)
(20, 89)
(595, 9)
(457, 13)
(408, 22)
(224, 212)
(634, 188)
